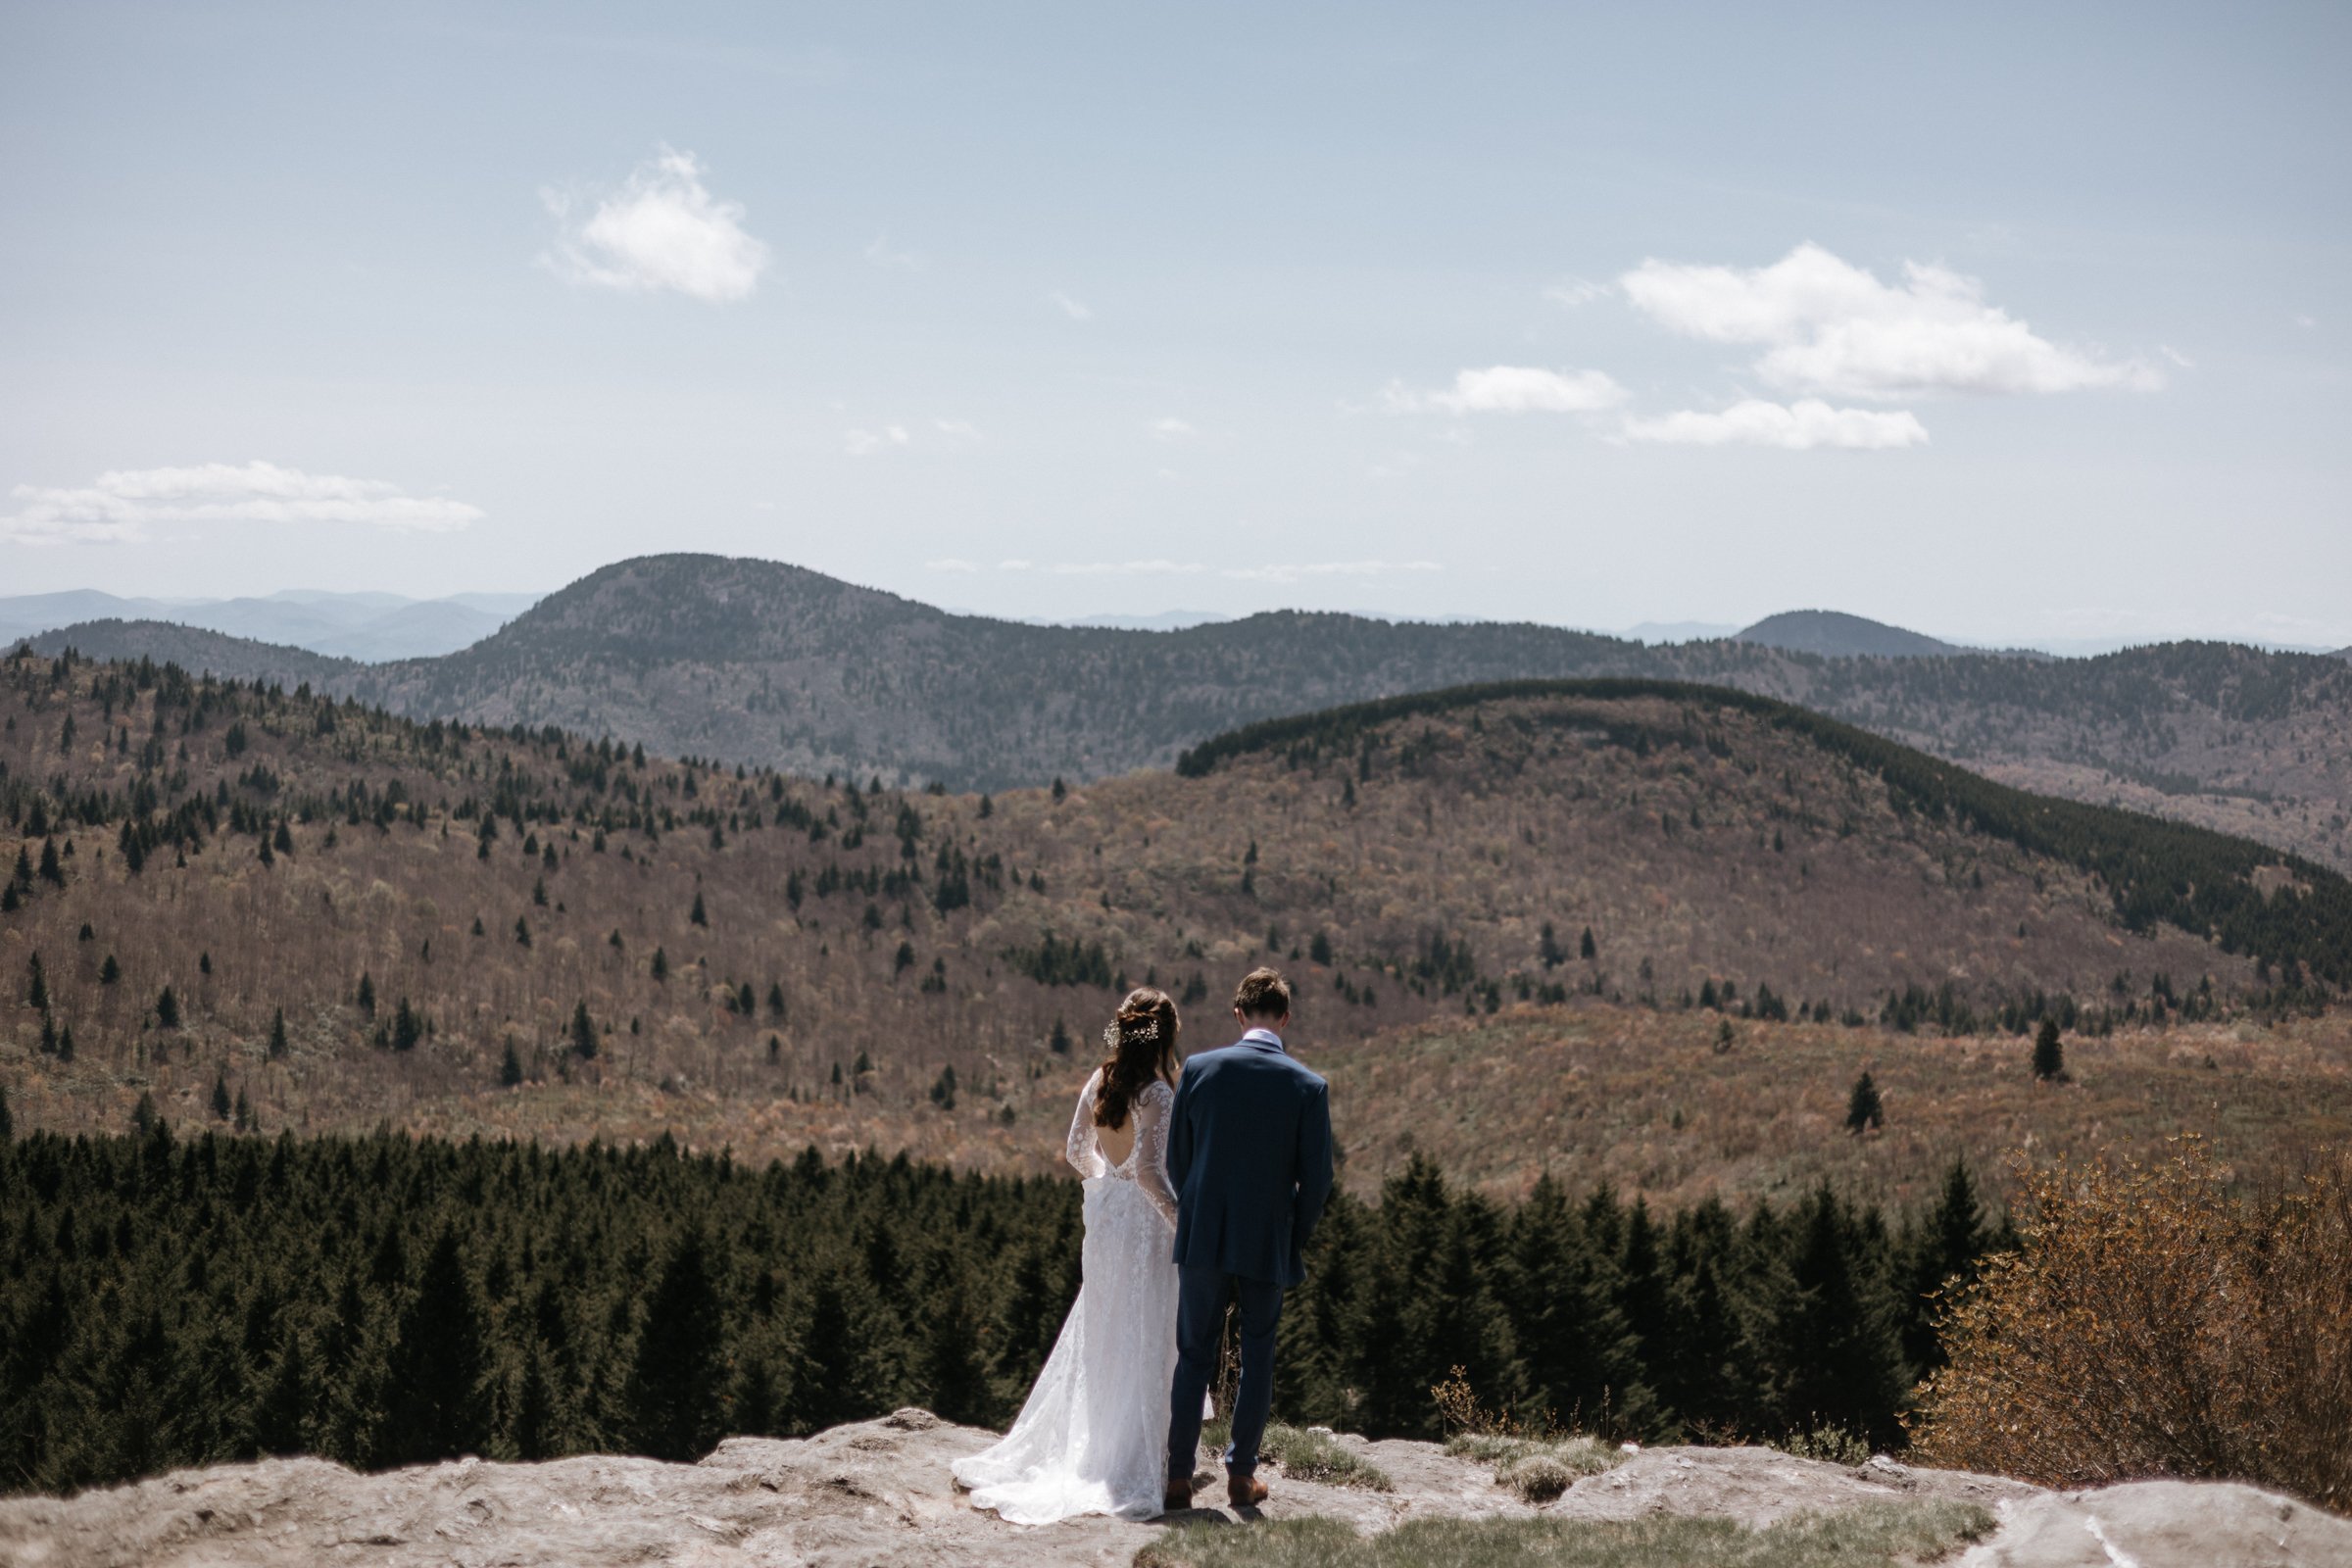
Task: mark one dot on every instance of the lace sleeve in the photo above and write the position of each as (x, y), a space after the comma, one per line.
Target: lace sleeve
(1083, 1156)
(1151, 1112)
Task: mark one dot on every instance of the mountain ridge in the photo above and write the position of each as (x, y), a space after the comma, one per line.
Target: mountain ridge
(771, 665)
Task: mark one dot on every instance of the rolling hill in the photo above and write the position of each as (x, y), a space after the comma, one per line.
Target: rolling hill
(772, 665)
(1833, 634)
(570, 939)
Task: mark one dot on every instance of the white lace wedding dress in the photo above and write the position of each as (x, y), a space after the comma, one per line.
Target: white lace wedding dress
(1094, 1436)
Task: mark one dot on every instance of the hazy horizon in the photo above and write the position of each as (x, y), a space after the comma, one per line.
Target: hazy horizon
(508, 605)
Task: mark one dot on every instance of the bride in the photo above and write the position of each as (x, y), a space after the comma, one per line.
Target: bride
(1094, 1436)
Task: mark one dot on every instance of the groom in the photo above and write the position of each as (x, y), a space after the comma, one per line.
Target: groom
(1249, 1156)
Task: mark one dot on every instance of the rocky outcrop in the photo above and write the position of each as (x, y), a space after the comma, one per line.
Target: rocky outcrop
(877, 1495)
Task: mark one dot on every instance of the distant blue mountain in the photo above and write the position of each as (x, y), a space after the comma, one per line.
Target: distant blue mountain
(371, 627)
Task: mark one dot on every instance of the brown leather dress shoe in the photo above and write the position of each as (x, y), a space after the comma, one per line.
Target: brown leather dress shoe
(1178, 1496)
(1244, 1492)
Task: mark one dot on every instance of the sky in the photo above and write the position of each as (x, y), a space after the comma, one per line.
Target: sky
(2005, 322)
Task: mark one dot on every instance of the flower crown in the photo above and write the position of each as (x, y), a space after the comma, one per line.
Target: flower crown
(1113, 1033)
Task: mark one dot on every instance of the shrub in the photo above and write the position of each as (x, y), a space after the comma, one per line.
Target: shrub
(2153, 1324)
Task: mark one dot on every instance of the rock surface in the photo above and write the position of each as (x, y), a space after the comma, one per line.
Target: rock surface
(877, 1495)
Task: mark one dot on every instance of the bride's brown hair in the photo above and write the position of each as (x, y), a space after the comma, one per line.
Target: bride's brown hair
(1143, 1046)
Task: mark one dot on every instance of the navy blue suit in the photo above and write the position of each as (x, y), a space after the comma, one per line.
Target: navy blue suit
(1249, 1156)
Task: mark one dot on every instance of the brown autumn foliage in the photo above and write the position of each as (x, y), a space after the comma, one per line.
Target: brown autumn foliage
(1660, 1105)
(2155, 1324)
(1406, 885)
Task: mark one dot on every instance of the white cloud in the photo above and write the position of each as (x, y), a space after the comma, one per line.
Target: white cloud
(661, 230)
(1163, 566)
(2307, 322)
(1158, 567)
(1170, 429)
(962, 432)
(1575, 291)
(1809, 423)
(896, 261)
(1514, 389)
(2176, 356)
(1294, 571)
(1829, 327)
(865, 443)
(1071, 307)
(124, 504)
(951, 563)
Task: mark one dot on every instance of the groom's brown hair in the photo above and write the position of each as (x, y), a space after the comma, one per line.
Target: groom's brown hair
(1263, 994)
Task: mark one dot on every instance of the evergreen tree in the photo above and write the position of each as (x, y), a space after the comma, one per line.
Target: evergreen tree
(8, 1124)
(1582, 1360)
(1863, 1110)
(676, 1392)
(278, 1034)
(167, 1009)
(221, 1100)
(1843, 1367)
(64, 1042)
(1945, 1254)
(661, 965)
(522, 931)
(1059, 1043)
(697, 915)
(365, 999)
(509, 1067)
(408, 1026)
(1548, 948)
(1587, 948)
(285, 842)
(2050, 1056)
(776, 999)
(534, 1427)
(583, 1032)
(282, 1416)
(53, 870)
(436, 1402)
(36, 985)
(109, 971)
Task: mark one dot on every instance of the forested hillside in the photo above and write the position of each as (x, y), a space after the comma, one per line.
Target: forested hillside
(274, 910)
(168, 1301)
(767, 664)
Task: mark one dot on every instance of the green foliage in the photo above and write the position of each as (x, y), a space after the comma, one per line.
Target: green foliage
(1863, 1109)
(2050, 1056)
(387, 1300)
(1056, 962)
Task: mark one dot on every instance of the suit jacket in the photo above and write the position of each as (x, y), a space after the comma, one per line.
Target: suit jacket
(1249, 1156)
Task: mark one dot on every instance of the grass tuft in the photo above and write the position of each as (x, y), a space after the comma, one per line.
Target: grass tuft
(1537, 1469)
(1879, 1535)
(1306, 1455)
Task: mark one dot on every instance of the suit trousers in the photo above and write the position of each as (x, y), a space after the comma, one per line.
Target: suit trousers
(1201, 1294)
